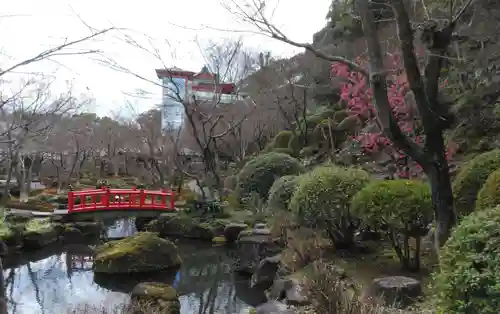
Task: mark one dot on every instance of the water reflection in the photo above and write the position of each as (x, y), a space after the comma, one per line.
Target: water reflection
(55, 281)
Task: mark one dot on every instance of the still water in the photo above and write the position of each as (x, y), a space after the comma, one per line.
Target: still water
(60, 280)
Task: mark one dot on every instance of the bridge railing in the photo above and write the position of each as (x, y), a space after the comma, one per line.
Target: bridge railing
(106, 198)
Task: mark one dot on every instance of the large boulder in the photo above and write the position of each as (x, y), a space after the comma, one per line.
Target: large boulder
(36, 239)
(266, 272)
(252, 247)
(289, 290)
(183, 227)
(142, 252)
(72, 235)
(89, 228)
(158, 297)
(396, 291)
(232, 231)
(274, 307)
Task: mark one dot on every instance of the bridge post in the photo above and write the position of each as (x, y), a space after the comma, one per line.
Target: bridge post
(71, 201)
(105, 198)
(142, 198)
(172, 200)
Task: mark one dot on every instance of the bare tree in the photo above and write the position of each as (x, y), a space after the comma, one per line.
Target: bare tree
(424, 86)
(28, 120)
(207, 118)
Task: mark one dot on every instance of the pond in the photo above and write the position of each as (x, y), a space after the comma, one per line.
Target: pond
(60, 280)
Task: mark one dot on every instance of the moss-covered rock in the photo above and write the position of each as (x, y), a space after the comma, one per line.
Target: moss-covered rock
(156, 296)
(143, 252)
(182, 227)
(89, 228)
(38, 238)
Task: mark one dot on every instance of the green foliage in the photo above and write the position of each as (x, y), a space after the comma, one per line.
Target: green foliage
(281, 139)
(489, 195)
(471, 178)
(281, 192)
(259, 174)
(405, 205)
(295, 145)
(470, 266)
(340, 115)
(402, 207)
(287, 151)
(322, 199)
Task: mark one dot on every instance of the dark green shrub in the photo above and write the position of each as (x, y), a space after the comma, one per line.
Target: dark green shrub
(230, 182)
(471, 178)
(259, 174)
(281, 139)
(287, 151)
(469, 272)
(281, 192)
(489, 195)
(308, 151)
(403, 208)
(322, 200)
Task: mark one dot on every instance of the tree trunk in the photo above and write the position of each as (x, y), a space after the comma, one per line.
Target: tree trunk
(442, 200)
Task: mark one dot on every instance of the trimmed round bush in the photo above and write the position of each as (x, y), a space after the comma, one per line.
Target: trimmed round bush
(259, 174)
(402, 207)
(322, 200)
(489, 195)
(281, 139)
(395, 204)
(230, 182)
(281, 192)
(469, 272)
(287, 151)
(471, 178)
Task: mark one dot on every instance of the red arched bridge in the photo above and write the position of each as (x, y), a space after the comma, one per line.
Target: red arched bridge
(120, 199)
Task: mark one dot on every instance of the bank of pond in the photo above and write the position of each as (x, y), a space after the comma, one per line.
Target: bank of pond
(57, 266)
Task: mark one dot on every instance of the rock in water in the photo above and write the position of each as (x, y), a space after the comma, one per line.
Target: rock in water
(232, 231)
(142, 252)
(155, 296)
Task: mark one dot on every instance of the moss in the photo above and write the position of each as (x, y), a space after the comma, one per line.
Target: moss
(39, 225)
(155, 290)
(143, 252)
(126, 246)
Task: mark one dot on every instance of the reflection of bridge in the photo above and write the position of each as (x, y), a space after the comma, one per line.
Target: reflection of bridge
(81, 262)
(119, 199)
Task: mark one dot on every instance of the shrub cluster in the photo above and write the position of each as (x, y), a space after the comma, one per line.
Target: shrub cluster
(402, 207)
(471, 178)
(470, 266)
(281, 192)
(322, 200)
(489, 195)
(259, 174)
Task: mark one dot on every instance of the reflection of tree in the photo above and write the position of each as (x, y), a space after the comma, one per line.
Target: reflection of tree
(35, 286)
(9, 283)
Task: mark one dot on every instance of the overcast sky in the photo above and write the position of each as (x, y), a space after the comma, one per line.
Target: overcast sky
(30, 26)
